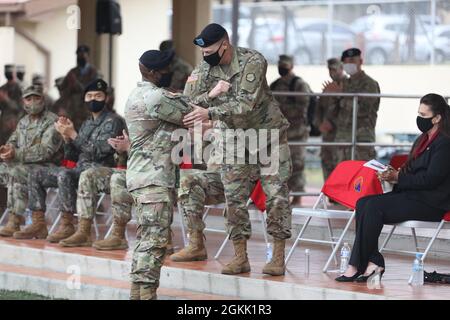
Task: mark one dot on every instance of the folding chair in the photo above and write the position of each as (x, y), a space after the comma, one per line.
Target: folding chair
(348, 182)
(437, 226)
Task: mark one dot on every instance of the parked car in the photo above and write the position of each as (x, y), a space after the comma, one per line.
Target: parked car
(386, 39)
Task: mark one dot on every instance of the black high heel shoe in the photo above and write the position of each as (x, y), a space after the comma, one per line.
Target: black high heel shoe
(363, 278)
(348, 279)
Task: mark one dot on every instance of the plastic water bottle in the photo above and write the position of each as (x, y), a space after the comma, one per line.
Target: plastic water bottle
(268, 252)
(417, 271)
(345, 257)
(307, 261)
(28, 219)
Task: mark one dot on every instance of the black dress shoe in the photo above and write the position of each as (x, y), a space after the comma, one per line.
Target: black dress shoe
(363, 278)
(348, 279)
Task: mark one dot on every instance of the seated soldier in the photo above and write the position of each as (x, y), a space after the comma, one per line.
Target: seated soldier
(98, 180)
(91, 149)
(34, 143)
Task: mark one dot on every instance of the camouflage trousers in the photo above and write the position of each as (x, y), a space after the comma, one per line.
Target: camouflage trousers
(361, 153)
(95, 181)
(239, 181)
(297, 180)
(154, 209)
(328, 156)
(197, 189)
(66, 180)
(15, 177)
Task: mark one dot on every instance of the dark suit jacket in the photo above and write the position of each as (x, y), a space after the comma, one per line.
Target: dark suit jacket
(429, 178)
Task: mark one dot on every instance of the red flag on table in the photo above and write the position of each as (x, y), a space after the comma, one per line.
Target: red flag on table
(447, 216)
(350, 181)
(259, 197)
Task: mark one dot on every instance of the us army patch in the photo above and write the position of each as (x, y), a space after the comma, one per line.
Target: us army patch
(250, 77)
(108, 126)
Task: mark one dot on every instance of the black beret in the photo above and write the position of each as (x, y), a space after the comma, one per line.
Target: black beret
(156, 60)
(212, 33)
(82, 48)
(352, 52)
(97, 85)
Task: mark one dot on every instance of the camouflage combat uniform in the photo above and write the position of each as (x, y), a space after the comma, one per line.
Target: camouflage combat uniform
(90, 149)
(248, 104)
(10, 110)
(36, 144)
(295, 109)
(152, 114)
(366, 120)
(181, 71)
(327, 109)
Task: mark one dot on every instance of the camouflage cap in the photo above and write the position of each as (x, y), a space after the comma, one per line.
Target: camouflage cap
(33, 90)
(349, 53)
(20, 68)
(334, 63)
(285, 59)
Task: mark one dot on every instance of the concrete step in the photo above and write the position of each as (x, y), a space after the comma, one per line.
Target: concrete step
(59, 285)
(102, 278)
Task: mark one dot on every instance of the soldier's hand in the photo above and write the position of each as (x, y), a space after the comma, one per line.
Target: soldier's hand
(221, 87)
(198, 115)
(332, 87)
(8, 153)
(120, 144)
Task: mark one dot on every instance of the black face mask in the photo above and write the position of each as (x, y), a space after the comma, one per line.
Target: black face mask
(165, 80)
(424, 124)
(283, 71)
(96, 106)
(81, 62)
(9, 76)
(214, 58)
(20, 76)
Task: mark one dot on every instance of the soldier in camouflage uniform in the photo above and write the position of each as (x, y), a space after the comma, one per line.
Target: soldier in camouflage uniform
(179, 68)
(70, 103)
(359, 82)
(10, 104)
(84, 73)
(231, 87)
(91, 150)
(95, 181)
(152, 114)
(295, 109)
(34, 143)
(326, 114)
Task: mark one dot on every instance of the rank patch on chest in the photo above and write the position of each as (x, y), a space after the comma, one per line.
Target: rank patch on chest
(250, 77)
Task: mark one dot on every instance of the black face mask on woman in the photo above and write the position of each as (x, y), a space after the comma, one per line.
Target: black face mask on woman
(214, 58)
(424, 124)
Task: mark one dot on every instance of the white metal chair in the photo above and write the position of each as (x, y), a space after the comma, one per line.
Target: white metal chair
(352, 183)
(436, 226)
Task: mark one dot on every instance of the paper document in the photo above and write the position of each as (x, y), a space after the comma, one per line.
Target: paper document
(375, 165)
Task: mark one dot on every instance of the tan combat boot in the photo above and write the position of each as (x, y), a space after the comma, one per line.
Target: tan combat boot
(37, 229)
(194, 251)
(81, 238)
(65, 230)
(116, 240)
(13, 225)
(276, 266)
(147, 293)
(135, 291)
(239, 264)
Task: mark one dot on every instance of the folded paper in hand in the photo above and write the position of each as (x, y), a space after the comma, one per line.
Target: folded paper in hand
(375, 165)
